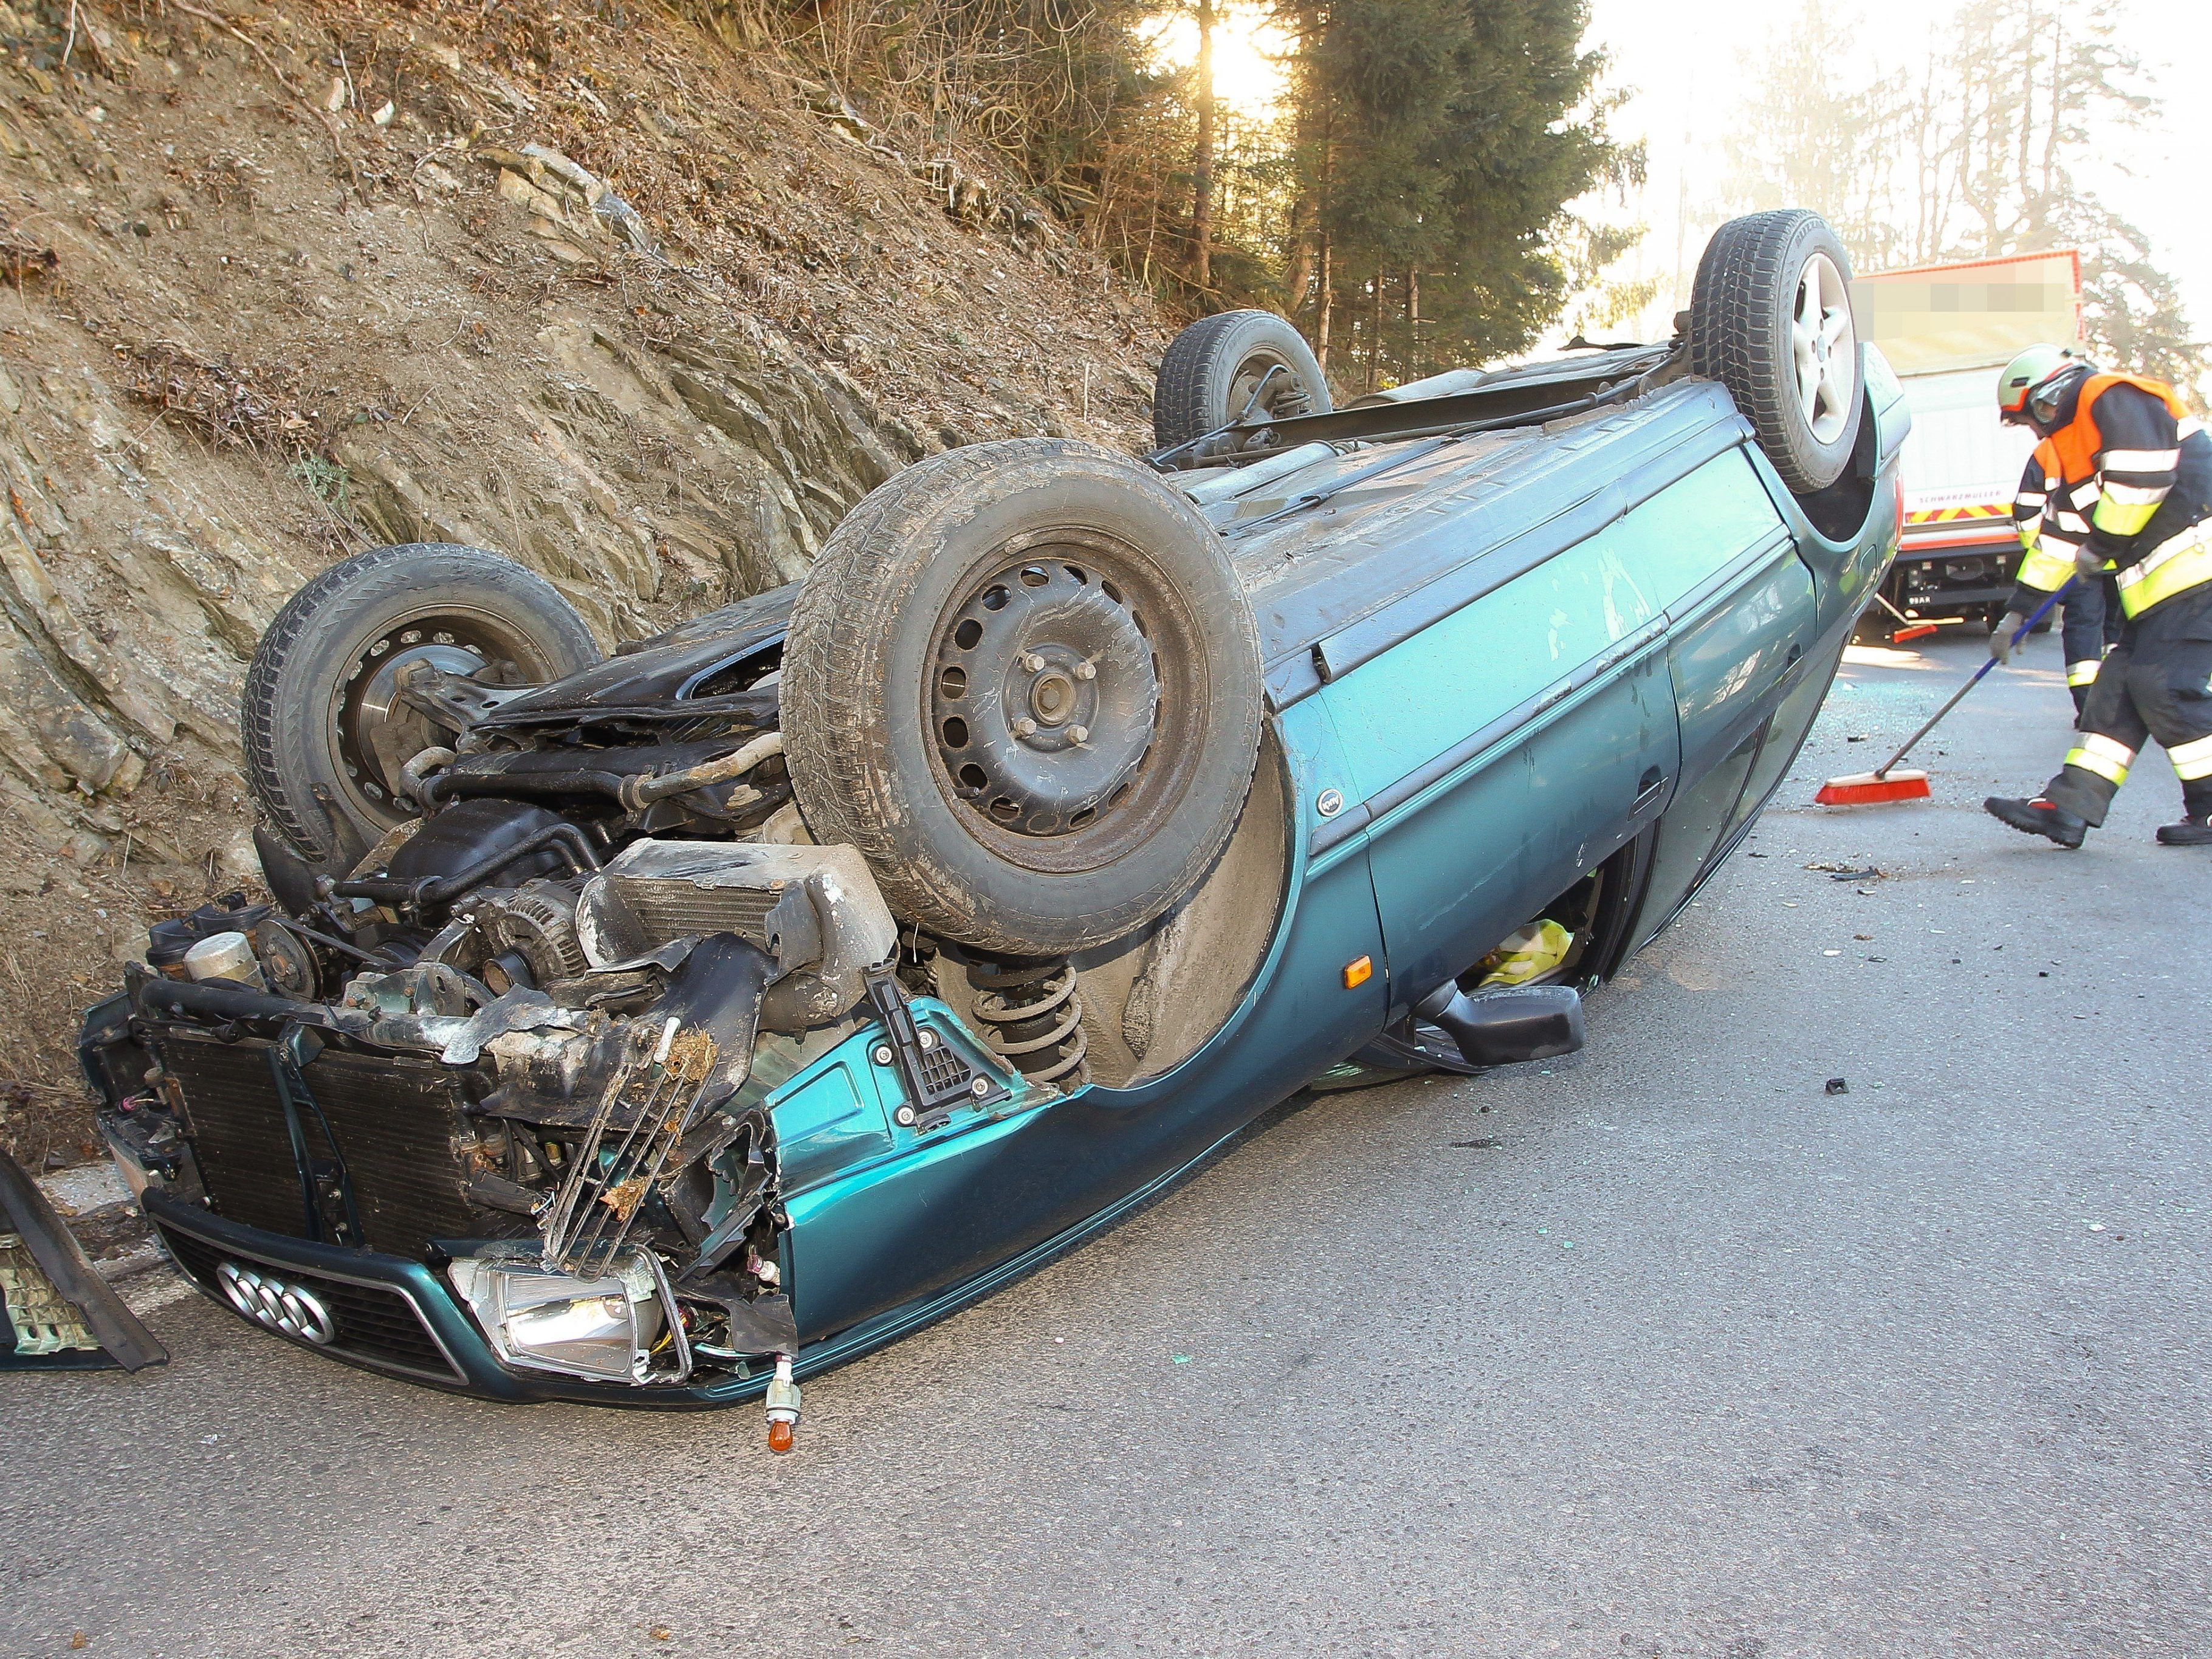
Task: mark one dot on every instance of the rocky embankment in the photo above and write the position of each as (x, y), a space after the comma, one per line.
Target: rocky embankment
(602, 292)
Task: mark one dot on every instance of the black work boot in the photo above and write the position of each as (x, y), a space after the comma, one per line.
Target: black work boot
(2039, 817)
(2190, 832)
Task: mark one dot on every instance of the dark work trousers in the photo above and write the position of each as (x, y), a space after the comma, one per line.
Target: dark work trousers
(2156, 682)
(2092, 624)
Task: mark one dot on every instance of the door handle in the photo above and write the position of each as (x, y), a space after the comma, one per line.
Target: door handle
(1649, 786)
(1796, 652)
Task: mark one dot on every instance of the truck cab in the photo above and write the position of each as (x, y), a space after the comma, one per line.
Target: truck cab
(1946, 330)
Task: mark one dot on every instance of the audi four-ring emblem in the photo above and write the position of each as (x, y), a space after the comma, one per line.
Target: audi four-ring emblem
(288, 1308)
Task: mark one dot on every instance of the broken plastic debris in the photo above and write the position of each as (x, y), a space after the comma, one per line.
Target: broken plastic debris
(1837, 1085)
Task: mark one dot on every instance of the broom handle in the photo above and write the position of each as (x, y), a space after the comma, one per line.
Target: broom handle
(2019, 634)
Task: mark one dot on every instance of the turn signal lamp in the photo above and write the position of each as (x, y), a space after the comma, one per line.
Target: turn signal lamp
(782, 1405)
(1358, 972)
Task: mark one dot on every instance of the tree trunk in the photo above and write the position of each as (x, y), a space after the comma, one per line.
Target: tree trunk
(1202, 215)
(1375, 332)
(1328, 305)
(1308, 139)
(1413, 321)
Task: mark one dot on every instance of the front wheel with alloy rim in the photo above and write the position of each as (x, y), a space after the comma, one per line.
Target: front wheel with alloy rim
(363, 671)
(1024, 680)
(1770, 319)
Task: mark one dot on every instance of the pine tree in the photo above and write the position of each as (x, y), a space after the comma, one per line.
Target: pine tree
(1452, 133)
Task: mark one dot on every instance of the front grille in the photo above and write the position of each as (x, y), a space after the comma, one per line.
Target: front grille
(378, 1325)
(397, 1123)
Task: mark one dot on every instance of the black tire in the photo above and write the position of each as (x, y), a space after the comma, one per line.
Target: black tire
(1750, 285)
(1013, 566)
(323, 739)
(1213, 368)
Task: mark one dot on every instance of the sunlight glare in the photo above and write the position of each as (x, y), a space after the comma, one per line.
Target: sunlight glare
(1250, 49)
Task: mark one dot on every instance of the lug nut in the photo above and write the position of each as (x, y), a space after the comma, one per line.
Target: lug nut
(1025, 727)
(1086, 670)
(1033, 662)
(1080, 733)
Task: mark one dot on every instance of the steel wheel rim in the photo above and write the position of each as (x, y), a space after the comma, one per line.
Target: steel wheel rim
(1823, 348)
(373, 732)
(1042, 797)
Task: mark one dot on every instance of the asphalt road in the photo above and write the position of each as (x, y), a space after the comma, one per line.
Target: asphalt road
(1660, 1350)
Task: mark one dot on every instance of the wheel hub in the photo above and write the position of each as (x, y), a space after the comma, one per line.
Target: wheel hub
(1272, 382)
(1045, 698)
(381, 731)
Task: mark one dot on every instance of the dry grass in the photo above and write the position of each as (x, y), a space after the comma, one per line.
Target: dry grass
(221, 400)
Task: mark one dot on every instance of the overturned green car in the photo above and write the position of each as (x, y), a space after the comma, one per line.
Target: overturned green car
(656, 1030)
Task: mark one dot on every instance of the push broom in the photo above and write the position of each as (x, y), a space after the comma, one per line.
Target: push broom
(1887, 782)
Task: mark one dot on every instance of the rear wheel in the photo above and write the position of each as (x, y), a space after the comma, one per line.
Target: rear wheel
(1024, 680)
(327, 721)
(1223, 365)
(1770, 319)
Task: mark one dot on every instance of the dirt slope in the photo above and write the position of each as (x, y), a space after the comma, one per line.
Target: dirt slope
(597, 292)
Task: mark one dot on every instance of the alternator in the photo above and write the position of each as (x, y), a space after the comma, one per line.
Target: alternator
(539, 920)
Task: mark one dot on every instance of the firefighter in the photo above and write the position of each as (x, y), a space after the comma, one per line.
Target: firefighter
(2130, 489)
(2092, 609)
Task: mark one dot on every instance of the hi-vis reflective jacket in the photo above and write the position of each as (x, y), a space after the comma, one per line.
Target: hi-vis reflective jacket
(2129, 473)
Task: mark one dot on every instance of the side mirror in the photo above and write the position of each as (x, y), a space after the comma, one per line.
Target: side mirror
(1505, 1027)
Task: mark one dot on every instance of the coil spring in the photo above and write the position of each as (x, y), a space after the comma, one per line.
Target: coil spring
(1032, 1016)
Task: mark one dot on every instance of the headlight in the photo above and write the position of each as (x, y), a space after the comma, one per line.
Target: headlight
(619, 1327)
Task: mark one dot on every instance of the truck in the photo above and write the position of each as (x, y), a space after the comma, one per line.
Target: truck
(1946, 330)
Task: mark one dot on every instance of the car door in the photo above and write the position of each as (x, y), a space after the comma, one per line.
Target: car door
(1503, 751)
(1742, 613)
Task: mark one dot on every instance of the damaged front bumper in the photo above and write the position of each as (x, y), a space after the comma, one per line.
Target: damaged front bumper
(388, 1314)
(442, 1316)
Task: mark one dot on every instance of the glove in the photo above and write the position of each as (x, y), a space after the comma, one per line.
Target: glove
(2000, 636)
